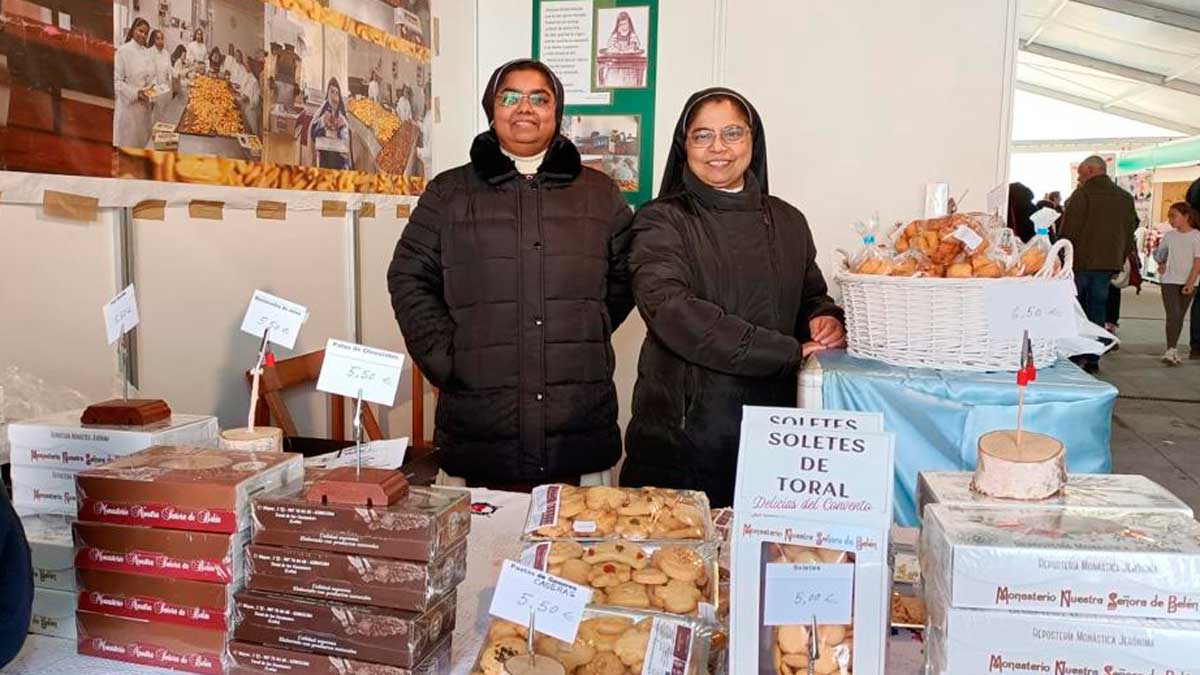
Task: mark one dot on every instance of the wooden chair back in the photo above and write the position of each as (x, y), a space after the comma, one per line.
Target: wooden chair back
(294, 372)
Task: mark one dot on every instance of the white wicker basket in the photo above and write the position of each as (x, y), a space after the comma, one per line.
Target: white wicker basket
(937, 323)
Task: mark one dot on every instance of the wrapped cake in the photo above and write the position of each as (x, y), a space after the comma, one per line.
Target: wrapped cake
(1119, 492)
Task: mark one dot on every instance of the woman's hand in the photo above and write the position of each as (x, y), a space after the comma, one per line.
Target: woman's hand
(827, 332)
(1189, 289)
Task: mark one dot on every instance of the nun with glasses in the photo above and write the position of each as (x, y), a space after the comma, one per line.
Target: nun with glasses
(725, 276)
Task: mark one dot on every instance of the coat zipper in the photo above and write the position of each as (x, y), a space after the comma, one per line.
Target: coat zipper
(689, 395)
(522, 390)
(537, 200)
(772, 255)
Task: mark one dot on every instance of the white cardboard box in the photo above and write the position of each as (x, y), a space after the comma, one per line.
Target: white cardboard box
(44, 489)
(1084, 490)
(1070, 561)
(805, 486)
(981, 642)
(51, 548)
(53, 613)
(61, 441)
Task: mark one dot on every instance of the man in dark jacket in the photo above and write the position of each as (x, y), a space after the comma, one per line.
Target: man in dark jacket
(16, 582)
(1099, 220)
(508, 283)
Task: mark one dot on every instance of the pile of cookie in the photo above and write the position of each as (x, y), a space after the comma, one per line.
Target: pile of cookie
(791, 645)
(676, 578)
(632, 514)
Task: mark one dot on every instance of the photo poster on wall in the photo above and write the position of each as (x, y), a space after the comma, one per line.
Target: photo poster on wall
(604, 51)
(275, 94)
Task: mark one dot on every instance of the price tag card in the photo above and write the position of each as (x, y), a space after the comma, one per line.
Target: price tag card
(558, 603)
(284, 318)
(387, 454)
(997, 200)
(796, 592)
(970, 238)
(1044, 308)
(121, 314)
(350, 368)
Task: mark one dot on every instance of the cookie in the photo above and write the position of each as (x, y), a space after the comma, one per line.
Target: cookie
(602, 632)
(561, 551)
(679, 562)
(632, 645)
(687, 514)
(651, 576)
(562, 529)
(575, 570)
(571, 656)
(500, 629)
(604, 575)
(801, 554)
(827, 663)
(684, 533)
(679, 597)
(568, 507)
(605, 663)
(613, 551)
(638, 506)
(603, 497)
(795, 661)
(792, 639)
(831, 635)
(629, 594)
(491, 662)
(593, 522)
(633, 527)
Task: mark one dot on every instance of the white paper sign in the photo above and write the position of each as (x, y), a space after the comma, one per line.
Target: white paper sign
(1044, 308)
(350, 368)
(543, 507)
(831, 420)
(387, 454)
(566, 47)
(997, 200)
(282, 317)
(937, 196)
(795, 593)
(970, 238)
(558, 603)
(121, 314)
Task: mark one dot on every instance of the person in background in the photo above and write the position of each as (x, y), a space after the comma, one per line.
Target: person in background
(403, 104)
(197, 53)
(373, 86)
(216, 61)
(330, 123)
(1020, 208)
(133, 73)
(1193, 199)
(1130, 275)
(1099, 220)
(1179, 255)
(726, 277)
(163, 73)
(16, 587)
(507, 283)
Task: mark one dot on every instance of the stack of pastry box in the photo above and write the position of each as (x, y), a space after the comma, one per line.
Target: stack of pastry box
(649, 557)
(336, 589)
(158, 551)
(1102, 578)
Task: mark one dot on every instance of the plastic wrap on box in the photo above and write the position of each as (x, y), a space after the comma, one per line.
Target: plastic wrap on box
(373, 634)
(559, 511)
(53, 613)
(422, 526)
(184, 488)
(1069, 561)
(362, 580)
(174, 554)
(609, 641)
(982, 642)
(151, 643)
(252, 659)
(44, 489)
(1083, 490)
(61, 441)
(676, 578)
(51, 548)
(138, 596)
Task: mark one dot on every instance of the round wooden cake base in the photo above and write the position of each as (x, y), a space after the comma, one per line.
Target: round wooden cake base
(1035, 469)
(258, 439)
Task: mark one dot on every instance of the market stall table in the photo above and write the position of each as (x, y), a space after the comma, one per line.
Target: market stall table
(495, 535)
(939, 415)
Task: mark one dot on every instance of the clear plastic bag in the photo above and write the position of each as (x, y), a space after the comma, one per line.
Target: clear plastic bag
(874, 257)
(1032, 257)
(609, 513)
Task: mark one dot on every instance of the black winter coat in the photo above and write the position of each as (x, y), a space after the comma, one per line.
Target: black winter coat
(507, 289)
(727, 284)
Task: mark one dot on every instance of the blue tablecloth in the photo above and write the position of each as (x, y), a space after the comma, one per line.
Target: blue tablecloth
(938, 415)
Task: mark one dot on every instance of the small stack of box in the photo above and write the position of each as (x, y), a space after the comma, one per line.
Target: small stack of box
(158, 552)
(47, 452)
(334, 589)
(52, 555)
(1103, 578)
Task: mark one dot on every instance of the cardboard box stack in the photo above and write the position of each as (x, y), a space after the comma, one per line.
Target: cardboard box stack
(52, 554)
(335, 588)
(159, 552)
(1106, 579)
(47, 452)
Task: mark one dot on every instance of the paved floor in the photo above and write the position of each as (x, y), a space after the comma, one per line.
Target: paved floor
(1156, 424)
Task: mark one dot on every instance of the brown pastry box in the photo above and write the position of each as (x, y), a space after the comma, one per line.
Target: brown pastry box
(175, 554)
(188, 603)
(184, 487)
(373, 634)
(362, 580)
(150, 643)
(250, 659)
(422, 526)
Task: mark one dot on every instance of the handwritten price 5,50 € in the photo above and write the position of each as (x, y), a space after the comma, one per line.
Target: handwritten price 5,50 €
(366, 375)
(543, 607)
(273, 326)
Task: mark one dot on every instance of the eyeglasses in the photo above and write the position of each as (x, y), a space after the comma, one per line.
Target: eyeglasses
(511, 99)
(730, 135)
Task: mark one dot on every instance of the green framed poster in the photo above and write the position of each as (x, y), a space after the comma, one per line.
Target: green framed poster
(605, 53)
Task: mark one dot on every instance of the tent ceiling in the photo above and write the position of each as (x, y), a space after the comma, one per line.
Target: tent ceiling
(1134, 58)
